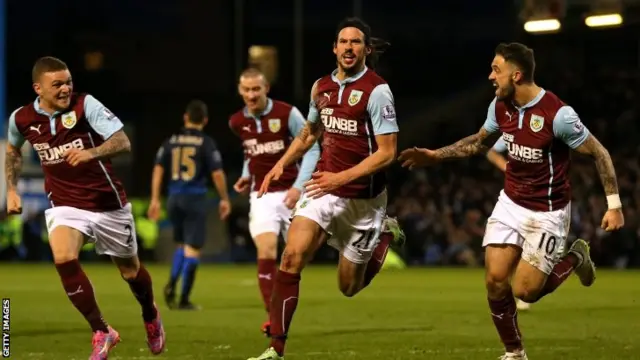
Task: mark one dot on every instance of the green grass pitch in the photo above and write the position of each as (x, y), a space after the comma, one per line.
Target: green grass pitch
(404, 315)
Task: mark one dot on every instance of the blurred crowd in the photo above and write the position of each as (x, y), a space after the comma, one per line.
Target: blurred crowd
(444, 209)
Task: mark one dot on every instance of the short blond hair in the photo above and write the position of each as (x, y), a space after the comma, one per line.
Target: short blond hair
(46, 64)
(252, 72)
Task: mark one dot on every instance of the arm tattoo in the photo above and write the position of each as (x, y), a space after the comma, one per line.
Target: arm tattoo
(309, 129)
(306, 138)
(116, 144)
(305, 132)
(604, 164)
(471, 145)
(12, 167)
(607, 173)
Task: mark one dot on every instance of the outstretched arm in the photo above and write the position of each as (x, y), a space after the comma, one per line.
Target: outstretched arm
(477, 143)
(471, 145)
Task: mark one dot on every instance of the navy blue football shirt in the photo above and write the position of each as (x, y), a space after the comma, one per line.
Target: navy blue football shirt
(189, 157)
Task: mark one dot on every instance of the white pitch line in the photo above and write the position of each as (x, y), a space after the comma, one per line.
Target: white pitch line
(35, 355)
(347, 353)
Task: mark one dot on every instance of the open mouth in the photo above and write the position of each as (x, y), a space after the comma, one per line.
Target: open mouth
(349, 59)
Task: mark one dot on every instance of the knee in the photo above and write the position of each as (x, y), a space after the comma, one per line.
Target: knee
(348, 288)
(129, 268)
(62, 257)
(292, 260)
(350, 279)
(497, 285)
(64, 250)
(267, 249)
(266, 245)
(129, 273)
(526, 292)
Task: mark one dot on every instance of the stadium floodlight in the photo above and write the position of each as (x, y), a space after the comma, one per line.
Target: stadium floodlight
(542, 26)
(604, 20)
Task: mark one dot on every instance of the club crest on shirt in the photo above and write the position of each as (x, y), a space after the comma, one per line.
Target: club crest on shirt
(69, 119)
(536, 123)
(274, 125)
(355, 97)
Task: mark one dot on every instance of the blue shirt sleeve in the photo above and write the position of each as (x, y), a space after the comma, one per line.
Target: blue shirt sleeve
(382, 110)
(310, 159)
(245, 169)
(568, 127)
(314, 115)
(103, 121)
(491, 124)
(500, 146)
(296, 121)
(212, 156)
(14, 136)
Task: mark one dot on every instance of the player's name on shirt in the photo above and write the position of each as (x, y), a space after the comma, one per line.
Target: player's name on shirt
(187, 140)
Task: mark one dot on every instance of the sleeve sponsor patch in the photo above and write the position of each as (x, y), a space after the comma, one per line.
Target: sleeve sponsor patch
(388, 112)
(578, 127)
(108, 114)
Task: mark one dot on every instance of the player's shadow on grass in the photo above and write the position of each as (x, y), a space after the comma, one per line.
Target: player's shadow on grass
(252, 305)
(52, 330)
(234, 306)
(48, 332)
(377, 330)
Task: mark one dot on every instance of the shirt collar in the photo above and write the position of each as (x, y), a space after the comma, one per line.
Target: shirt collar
(264, 112)
(350, 79)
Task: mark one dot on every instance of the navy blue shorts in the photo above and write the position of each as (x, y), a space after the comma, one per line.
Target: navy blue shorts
(188, 214)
